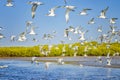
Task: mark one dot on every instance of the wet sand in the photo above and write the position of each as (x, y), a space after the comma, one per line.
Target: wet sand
(79, 60)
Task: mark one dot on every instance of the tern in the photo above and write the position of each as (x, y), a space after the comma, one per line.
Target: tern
(12, 38)
(34, 4)
(68, 10)
(33, 59)
(35, 40)
(82, 37)
(99, 29)
(84, 11)
(113, 31)
(47, 65)
(66, 32)
(22, 37)
(109, 61)
(103, 13)
(52, 11)
(28, 24)
(99, 58)
(112, 20)
(60, 61)
(32, 32)
(2, 36)
(71, 29)
(9, 3)
(91, 21)
(4, 66)
(1, 28)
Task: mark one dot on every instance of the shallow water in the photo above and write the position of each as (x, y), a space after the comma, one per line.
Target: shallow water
(24, 70)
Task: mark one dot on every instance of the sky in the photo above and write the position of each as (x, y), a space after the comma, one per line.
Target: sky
(13, 20)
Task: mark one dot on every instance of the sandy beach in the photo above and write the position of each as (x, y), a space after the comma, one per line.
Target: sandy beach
(79, 60)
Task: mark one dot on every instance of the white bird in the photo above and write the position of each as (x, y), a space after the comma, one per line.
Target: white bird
(103, 13)
(1, 28)
(75, 48)
(85, 55)
(91, 21)
(34, 4)
(75, 53)
(22, 37)
(4, 66)
(81, 65)
(52, 11)
(84, 11)
(99, 29)
(60, 61)
(99, 58)
(68, 10)
(109, 62)
(112, 20)
(45, 36)
(82, 35)
(77, 30)
(66, 32)
(9, 3)
(116, 54)
(71, 29)
(113, 31)
(29, 23)
(2, 36)
(102, 37)
(32, 32)
(108, 56)
(33, 59)
(12, 38)
(47, 65)
(35, 40)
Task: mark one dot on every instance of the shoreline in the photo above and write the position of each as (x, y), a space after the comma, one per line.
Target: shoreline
(78, 60)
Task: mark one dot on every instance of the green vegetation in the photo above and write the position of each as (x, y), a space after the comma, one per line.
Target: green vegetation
(89, 48)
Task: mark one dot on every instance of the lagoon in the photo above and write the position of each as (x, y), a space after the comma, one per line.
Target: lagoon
(22, 69)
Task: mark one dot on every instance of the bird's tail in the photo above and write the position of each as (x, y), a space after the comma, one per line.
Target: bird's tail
(33, 15)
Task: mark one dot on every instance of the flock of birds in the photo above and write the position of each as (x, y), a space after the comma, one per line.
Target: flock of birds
(60, 61)
(113, 33)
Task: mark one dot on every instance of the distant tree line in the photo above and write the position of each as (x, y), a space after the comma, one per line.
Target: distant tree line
(76, 49)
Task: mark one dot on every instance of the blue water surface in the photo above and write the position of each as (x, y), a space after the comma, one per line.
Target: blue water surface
(24, 70)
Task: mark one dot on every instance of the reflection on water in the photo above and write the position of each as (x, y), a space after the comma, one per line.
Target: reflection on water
(24, 70)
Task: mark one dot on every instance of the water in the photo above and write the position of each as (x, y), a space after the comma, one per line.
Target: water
(24, 70)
